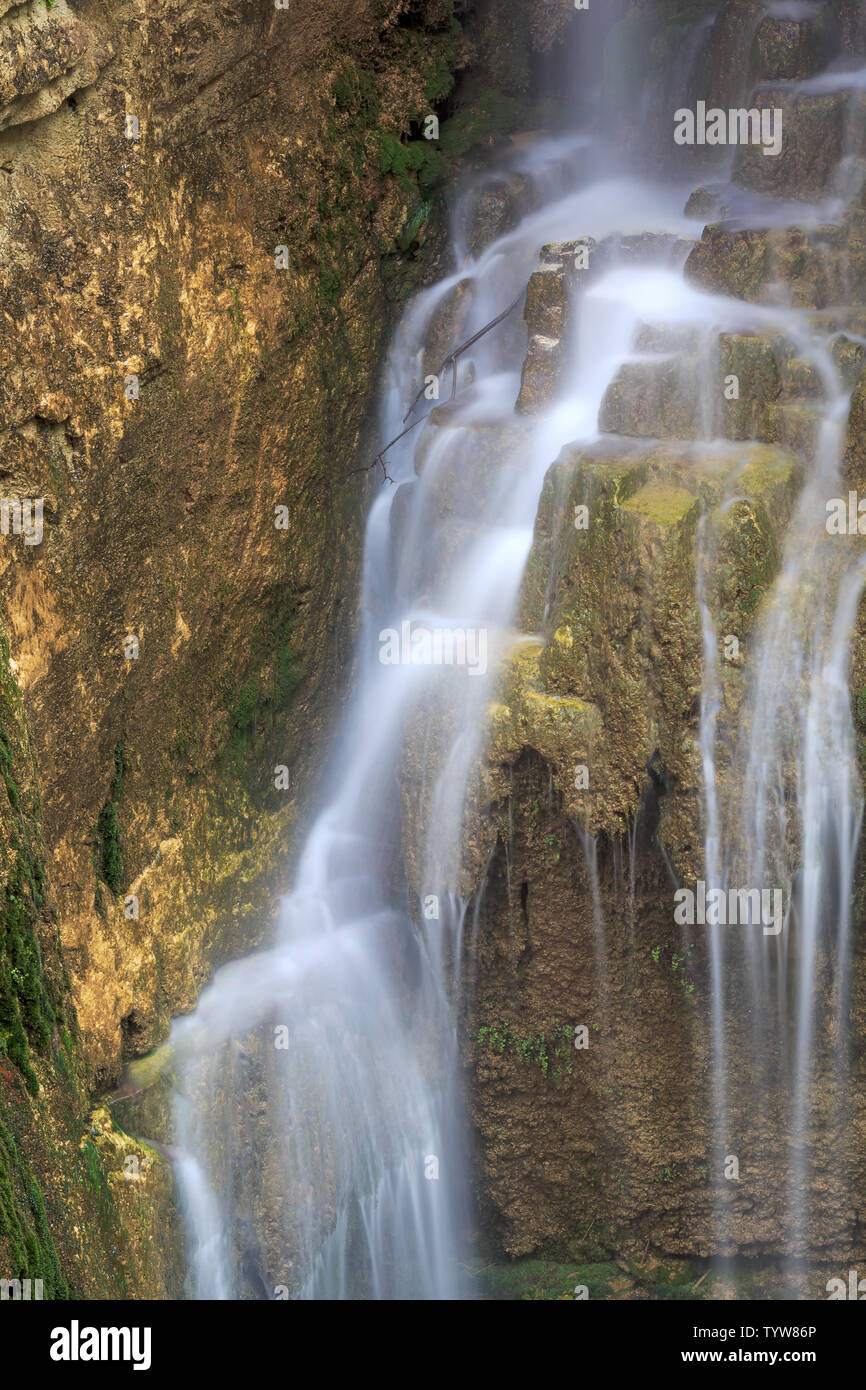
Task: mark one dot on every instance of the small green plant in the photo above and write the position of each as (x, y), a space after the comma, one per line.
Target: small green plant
(669, 1173)
(679, 962)
(538, 1049)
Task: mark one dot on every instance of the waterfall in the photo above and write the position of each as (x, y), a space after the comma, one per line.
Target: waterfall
(318, 1102)
(340, 1039)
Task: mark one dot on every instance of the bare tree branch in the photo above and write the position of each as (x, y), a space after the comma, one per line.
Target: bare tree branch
(450, 361)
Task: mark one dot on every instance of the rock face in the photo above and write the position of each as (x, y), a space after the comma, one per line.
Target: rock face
(208, 213)
(83, 1208)
(171, 379)
(596, 736)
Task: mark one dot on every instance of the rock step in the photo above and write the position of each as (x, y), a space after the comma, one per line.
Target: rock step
(738, 387)
(809, 269)
(494, 208)
(787, 47)
(818, 129)
(565, 268)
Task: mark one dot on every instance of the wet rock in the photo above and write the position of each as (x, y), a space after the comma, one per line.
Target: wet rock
(848, 356)
(459, 465)
(496, 209)
(540, 376)
(547, 301)
(654, 400)
(641, 249)
(445, 327)
(796, 426)
(711, 202)
(610, 581)
(787, 48)
(855, 439)
(586, 257)
(752, 360)
(727, 78)
(560, 728)
(597, 732)
(817, 129)
(809, 269)
(852, 26)
(730, 261)
(667, 338)
(800, 377)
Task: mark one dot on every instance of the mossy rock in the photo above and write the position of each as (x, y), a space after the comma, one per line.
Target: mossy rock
(752, 359)
(541, 374)
(819, 267)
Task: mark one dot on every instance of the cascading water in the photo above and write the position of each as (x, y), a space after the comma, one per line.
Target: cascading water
(319, 1113)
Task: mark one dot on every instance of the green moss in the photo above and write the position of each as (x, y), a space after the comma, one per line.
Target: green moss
(680, 964)
(533, 1280)
(108, 832)
(418, 159)
(278, 671)
(27, 1011)
(363, 134)
(108, 826)
(663, 505)
(492, 116)
(25, 1236)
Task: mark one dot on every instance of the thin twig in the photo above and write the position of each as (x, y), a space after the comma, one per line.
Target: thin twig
(380, 457)
(450, 360)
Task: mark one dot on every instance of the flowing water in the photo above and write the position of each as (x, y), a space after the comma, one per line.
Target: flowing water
(318, 1109)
